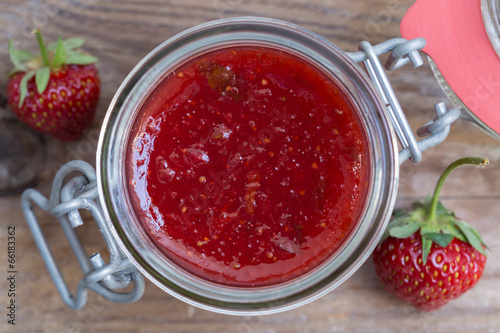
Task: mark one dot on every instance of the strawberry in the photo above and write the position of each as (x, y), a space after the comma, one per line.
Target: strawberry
(427, 256)
(56, 92)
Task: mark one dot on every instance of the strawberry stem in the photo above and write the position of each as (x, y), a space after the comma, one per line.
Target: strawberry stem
(435, 198)
(43, 50)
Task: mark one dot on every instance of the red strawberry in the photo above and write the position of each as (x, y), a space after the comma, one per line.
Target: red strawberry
(427, 256)
(56, 92)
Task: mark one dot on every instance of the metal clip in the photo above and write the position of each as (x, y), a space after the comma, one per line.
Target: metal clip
(66, 199)
(404, 51)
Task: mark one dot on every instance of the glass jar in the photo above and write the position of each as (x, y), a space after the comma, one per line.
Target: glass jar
(131, 251)
(367, 105)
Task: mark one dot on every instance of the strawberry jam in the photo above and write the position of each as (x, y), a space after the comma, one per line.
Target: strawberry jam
(247, 166)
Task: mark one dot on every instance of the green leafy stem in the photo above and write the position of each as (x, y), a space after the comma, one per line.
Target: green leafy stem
(436, 223)
(51, 58)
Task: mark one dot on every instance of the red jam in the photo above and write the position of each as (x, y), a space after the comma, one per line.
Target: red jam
(247, 166)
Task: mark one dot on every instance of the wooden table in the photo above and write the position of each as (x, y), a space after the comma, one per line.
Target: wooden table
(120, 33)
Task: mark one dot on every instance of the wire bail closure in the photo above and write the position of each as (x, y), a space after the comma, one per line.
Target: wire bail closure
(81, 192)
(66, 199)
(404, 51)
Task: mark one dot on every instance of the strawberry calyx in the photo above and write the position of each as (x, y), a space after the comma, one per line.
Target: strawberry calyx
(52, 58)
(436, 223)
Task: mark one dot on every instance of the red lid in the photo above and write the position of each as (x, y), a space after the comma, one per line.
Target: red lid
(458, 44)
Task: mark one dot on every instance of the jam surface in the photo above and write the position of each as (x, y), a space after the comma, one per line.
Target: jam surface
(247, 166)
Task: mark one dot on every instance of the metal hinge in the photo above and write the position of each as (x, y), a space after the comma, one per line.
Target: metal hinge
(66, 199)
(402, 52)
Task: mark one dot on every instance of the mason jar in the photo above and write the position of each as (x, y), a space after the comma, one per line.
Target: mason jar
(255, 32)
(371, 99)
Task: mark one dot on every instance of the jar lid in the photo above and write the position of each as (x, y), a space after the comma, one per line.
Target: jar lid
(463, 58)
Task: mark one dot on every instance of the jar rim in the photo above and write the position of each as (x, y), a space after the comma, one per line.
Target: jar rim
(490, 10)
(226, 299)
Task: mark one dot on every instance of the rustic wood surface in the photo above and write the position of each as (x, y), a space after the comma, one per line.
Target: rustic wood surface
(120, 33)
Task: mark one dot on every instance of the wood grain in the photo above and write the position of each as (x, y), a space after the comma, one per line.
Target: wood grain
(120, 33)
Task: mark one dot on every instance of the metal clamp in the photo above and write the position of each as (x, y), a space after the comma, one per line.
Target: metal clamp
(404, 51)
(66, 199)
